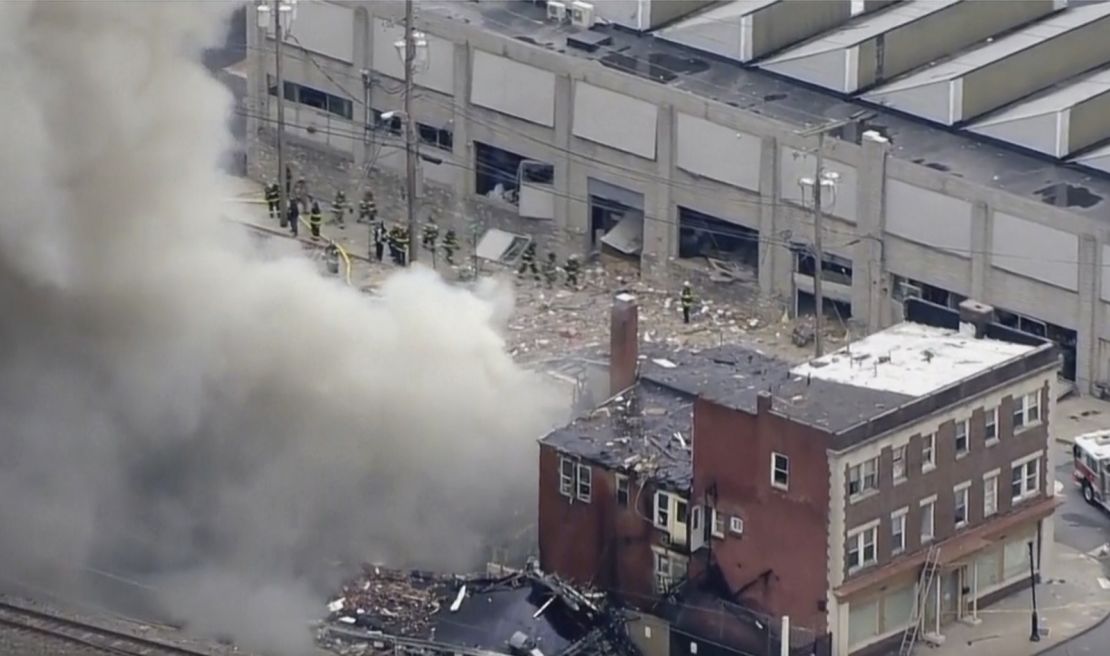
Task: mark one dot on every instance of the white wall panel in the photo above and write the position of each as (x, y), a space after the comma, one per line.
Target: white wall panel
(718, 153)
(615, 120)
(928, 217)
(438, 70)
(511, 88)
(325, 29)
(795, 164)
(1104, 270)
(1035, 250)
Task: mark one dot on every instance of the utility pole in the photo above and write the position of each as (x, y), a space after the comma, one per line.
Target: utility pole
(819, 179)
(818, 251)
(283, 192)
(410, 133)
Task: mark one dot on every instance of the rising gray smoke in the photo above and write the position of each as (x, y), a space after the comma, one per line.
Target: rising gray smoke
(229, 426)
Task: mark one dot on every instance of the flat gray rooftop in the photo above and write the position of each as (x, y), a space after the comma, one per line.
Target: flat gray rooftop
(979, 161)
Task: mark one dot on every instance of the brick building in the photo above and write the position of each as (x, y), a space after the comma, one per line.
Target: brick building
(816, 490)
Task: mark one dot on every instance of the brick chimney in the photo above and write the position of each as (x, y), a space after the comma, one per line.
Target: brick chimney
(624, 343)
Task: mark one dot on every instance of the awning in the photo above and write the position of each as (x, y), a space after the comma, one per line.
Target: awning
(628, 235)
(500, 246)
(954, 548)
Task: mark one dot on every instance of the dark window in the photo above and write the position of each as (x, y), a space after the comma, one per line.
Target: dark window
(433, 136)
(392, 126)
(495, 172)
(622, 491)
(313, 98)
(340, 107)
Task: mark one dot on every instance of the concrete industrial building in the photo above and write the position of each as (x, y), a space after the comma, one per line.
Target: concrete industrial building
(818, 491)
(668, 137)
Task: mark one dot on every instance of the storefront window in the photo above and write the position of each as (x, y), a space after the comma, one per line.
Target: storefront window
(1016, 558)
(863, 621)
(897, 607)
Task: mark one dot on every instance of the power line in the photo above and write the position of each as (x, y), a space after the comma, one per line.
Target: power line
(786, 242)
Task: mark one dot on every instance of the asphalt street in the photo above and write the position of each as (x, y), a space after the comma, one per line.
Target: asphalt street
(1086, 528)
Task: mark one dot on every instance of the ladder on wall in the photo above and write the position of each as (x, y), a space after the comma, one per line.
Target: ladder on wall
(924, 587)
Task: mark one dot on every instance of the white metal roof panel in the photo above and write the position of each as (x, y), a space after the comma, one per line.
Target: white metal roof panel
(1096, 159)
(1043, 122)
(719, 29)
(949, 73)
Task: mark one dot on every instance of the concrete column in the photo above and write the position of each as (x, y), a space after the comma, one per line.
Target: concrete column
(868, 264)
(258, 98)
(982, 220)
(462, 148)
(571, 223)
(660, 222)
(774, 256)
(1090, 304)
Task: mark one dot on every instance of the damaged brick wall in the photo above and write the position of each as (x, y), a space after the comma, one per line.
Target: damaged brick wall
(326, 170)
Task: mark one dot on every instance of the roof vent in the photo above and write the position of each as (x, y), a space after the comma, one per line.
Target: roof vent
(975, 317)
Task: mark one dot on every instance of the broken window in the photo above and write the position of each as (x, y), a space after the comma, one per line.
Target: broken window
(1065, 338)
(585, 483)
(662, 510)
(537, 190)
(702, 235)
(834, 268)
(495, 172)
(441, 138)
(566, 477)
(622, 491)
(903, 288)
(321, 100)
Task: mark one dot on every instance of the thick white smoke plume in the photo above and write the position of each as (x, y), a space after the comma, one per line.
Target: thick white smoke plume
(227, 426)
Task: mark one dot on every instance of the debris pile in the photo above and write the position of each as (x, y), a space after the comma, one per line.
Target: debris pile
(401, 603)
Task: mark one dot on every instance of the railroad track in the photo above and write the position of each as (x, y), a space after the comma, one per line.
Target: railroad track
(93, 636)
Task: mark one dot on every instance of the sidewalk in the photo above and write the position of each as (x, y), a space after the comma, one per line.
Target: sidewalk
(1069, 603)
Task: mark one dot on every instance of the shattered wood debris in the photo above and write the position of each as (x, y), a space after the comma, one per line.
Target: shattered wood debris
(399, 603)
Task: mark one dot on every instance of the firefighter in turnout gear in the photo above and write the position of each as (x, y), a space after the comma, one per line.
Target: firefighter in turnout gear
(315, 218)
(528, 262)
(392, 239)
(403, 241)
(572, 269)
(430, 236)
(687, 302)
(367, 208)
(450, 245)
(550, 270)
(378, 235)
(273, 199)
(293, 218)
(339, 208)
(331, 258)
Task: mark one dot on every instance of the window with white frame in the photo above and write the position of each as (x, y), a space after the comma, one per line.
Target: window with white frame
(927, 511)
(780, 471)
(575, 479)
(669, 569)
(863, 477)
(718, 528)
(1027, 410)
(861, 547)
(622, 491)
(736, 525)
(567, 469)
(928, 452)
(961, 437)
(898, 463)
(990, 494)
(585, 482)
(990, 425)
(962, 496)
(662, 510)
(898, 531)
(1025, 480)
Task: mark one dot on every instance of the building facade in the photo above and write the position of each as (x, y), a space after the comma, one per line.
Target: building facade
(817, 491)
(607, 137)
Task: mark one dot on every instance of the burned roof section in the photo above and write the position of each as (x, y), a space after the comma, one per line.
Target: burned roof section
(645, 431)
(521, 612)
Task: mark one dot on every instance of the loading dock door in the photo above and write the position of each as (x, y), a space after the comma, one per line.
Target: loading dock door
(628, 235)
(500, 246)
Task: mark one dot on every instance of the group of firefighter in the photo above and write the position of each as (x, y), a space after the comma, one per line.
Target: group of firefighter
(398, 240)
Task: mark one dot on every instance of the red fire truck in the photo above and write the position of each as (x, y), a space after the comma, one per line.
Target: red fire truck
(1092, 467)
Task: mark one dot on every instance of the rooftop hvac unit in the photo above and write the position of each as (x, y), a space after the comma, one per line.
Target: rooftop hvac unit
(556, 11)
(582, 14)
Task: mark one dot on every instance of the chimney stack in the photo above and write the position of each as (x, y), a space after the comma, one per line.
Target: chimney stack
(975, 317)
(763, 402)
(624, 343)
